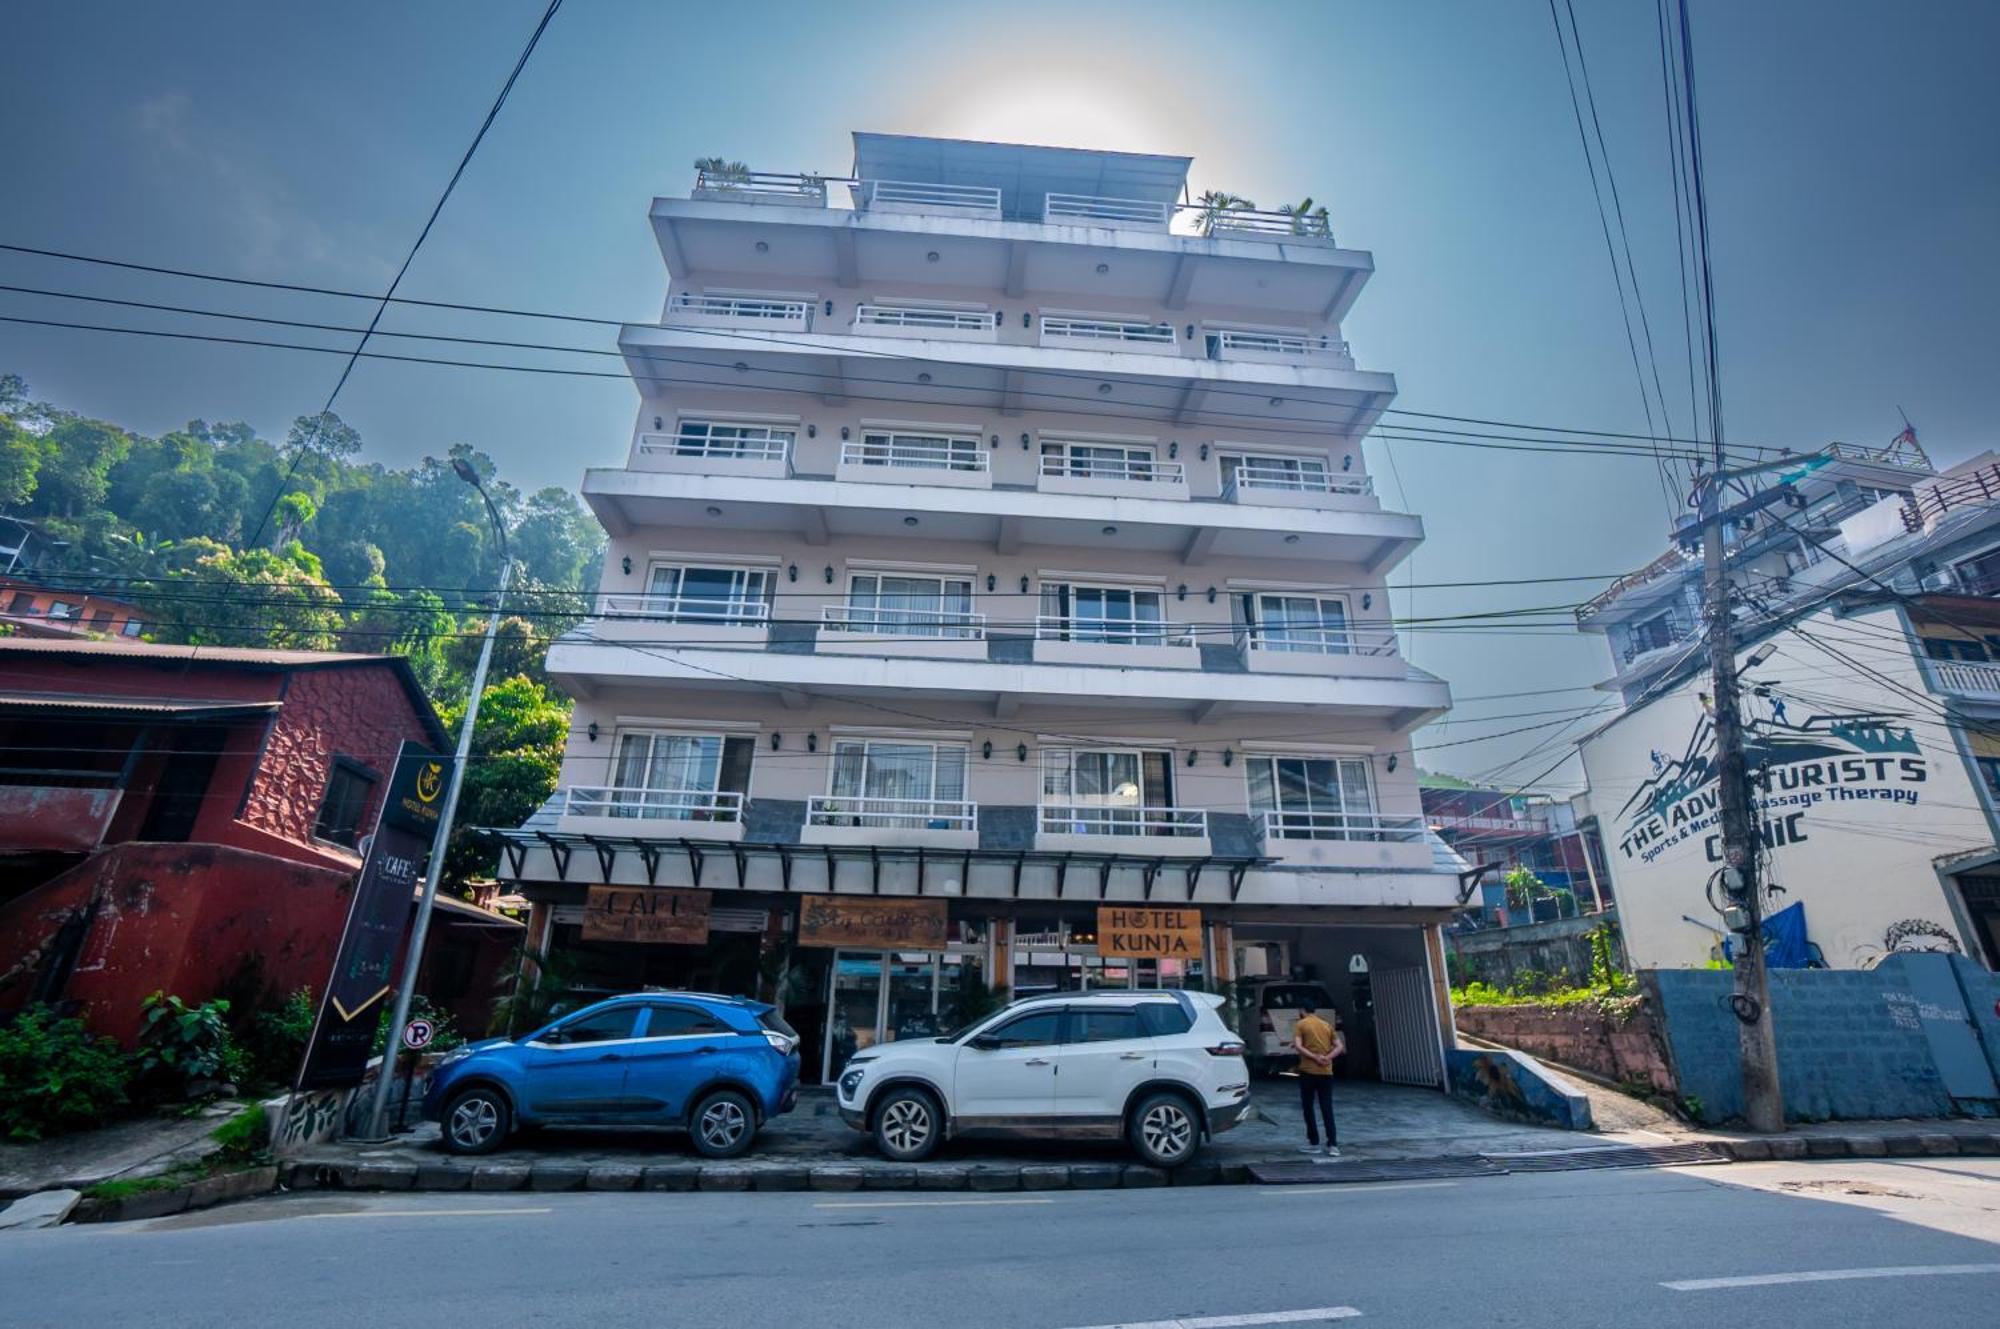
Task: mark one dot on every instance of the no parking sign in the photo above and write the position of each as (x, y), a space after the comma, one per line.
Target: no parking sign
(417, 1034)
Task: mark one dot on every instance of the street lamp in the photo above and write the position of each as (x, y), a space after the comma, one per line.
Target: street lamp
(420, 929)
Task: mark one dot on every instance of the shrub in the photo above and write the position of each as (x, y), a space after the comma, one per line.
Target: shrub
(186, 1051)
(276, 1038)
(444, 1034)
(55, 1076)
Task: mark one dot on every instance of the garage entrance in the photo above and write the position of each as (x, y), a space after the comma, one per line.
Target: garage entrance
(1379, 981)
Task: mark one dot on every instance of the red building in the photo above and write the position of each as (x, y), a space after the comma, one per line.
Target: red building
(33, 609)
(189, 819)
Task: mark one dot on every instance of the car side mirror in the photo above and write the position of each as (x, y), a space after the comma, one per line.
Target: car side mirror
(984, 1042)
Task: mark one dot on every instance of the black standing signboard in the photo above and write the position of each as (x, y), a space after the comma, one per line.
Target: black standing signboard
(364, 967)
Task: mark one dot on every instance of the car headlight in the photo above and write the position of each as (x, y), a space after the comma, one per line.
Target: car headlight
(851, 1081)
(459, 1053)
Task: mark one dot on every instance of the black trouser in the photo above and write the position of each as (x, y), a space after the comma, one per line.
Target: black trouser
(1317, 1089)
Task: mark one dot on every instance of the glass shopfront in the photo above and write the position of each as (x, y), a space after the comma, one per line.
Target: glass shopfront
(881, 996)
(1058, 955)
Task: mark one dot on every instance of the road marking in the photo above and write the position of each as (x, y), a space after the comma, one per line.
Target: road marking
(1317, 1313)
(1831, 1276)
(1356, 1187)
(919, 1204)
(423, 1213)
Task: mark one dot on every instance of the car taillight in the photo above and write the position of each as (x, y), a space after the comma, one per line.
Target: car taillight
(1226, 1050)
(780, 1042)
(1266, 1023)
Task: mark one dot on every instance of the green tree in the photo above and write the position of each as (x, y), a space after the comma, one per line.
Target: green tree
(326, 434)
(75, 473)
(253, 597)
(517, 750)
(20, 463)
(556, 540)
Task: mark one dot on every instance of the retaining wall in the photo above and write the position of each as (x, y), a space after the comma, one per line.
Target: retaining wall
(1623, 1045)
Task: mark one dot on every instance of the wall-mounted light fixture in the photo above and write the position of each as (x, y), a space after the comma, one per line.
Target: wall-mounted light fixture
(777, 740)
(1190, 332)
(1393, 761)
(625, 565)
(995, 441)
(829, 309)
(1173, 449)
(1027, 319)
(812, 431)
(1367, 599)
(986, 750)
(591, 730)
(990, 582)
(1024, 583)
(792, 572)
(1021, 751)
(829, 574)
(1211, 595)
(812, 742)
(843, 433)
(1180, 592)
(1347, 462)
(1192, 754)
(658, 423)
(1229, 756)
(1024, 441)
(1204, 452)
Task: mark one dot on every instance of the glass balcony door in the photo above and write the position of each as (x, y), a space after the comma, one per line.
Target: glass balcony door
(1117, 615)
(1301, 623)
(1313, 798)
(905, 785)
(910, 606)
(708, 595)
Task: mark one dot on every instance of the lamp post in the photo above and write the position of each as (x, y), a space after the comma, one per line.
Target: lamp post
(420, 929)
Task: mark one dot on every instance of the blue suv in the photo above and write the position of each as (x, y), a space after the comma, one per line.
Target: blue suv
(715, 1067)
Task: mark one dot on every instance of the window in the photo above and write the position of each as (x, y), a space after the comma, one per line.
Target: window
(689, 777)
(1954, 648)
(1313, 623)
(133, 627)
(909, 606)
(1248, 470)
(601, 1027)
(1030, 1030)
(1313, 798)
(1651, 634)
(680, 1022)
(1111, 792)
(345, 801)
(1103, 1024)
(708, 595)
(61, 609)
(100, 620)
(22, 603)
(1162, 1019)
(1981, 575)
(1116, 615)
(913, 786)
(1111, 461)
(937, 452)
(709, 438)
(1989, 769)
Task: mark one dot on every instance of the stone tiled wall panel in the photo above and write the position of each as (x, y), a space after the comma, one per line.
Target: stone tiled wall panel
(359, 713)
(1586, 1037)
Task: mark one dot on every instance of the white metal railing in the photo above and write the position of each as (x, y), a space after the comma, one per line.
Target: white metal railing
(1141, 469)
(908, 814)
(1967, 676)
(1100, 819)
(1270, 475)
(1513, 825)
(934, 624)
(761, 310)
(1271, 225)
(921, 318)
(1111, 631)
(926, 196)
(1116, 211)
(919, 452)
(653, 804)
(688, 444)
(1230, 342)
(686, 608)
(1315, 639)
(1123, 332)
(773, 186)
(1369, 826)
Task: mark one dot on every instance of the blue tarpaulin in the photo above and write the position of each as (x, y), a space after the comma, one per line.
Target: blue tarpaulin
(1785, 944)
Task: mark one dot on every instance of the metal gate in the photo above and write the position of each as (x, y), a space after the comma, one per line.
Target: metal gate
(1406, 1028)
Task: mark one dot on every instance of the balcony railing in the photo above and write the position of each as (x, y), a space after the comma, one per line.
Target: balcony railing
(1927, 505)
(756, 311)
(1109, 333)
(1367, 826)
(1141, 470)
(927, 197)
(762, 187)
(1111, 631)
(1231, 344)
(1530, 826)
(652, 804)
(905, 814)
(1098, 819)
(920, 319)
(686, 609)
(916, 453)
(1965, 677)
(1095, 211)
(1254, 224)
(1270, 475)
(1658, 642)
(1321, 639)
(931, 624)
(699, 444)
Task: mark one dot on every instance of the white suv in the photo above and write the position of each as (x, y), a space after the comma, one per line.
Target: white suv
(1158, 1068)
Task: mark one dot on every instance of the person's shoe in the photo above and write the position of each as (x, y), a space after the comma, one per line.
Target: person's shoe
(1308, 1148)
(1332, 1151)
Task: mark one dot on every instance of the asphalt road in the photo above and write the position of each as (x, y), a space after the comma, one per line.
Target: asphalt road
(1882, 1244)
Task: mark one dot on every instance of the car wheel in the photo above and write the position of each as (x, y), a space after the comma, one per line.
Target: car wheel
(476, 1121)
(1165, 1130)
(723, 1125)
(909, 1125)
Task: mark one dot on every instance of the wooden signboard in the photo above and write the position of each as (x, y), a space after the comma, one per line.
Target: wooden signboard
(646, 914)
(872, 924)
(1129, 933)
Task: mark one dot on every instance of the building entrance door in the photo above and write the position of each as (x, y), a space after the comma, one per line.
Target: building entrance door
(878, 997)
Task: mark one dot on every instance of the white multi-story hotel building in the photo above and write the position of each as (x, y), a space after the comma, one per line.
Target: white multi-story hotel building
(995, 542)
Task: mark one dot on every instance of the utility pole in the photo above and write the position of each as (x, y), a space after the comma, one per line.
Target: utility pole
(1757, 1040)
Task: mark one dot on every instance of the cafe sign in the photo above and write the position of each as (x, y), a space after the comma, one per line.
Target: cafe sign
(1130, 933)
(646, 914)
(873, 924)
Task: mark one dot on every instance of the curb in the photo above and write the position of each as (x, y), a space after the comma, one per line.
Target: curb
(201, 1194)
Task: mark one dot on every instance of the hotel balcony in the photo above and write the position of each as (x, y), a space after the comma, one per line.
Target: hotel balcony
(1114, 477)
(1343, 839)
(1278, 348)
(645, 618)
(756, 313)
(891, 821)
(1102, 828)
(693, 452)
(1114, 334)
(1282, 486)
(1330, 651)
(924, 633)
(891, 458)
(609, 810)
(1124, 643)
(929, 322)
(1970, 680)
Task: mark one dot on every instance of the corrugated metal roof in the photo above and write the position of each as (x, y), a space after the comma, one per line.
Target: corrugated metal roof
(146, 650)
(1022, 172)
(98, 704)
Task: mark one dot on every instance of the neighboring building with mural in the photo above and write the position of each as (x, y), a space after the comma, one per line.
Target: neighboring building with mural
(1871, 659)
(995, 554)
(191, 819)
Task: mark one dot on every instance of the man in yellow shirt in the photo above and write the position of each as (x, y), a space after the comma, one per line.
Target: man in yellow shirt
(1318, 1042)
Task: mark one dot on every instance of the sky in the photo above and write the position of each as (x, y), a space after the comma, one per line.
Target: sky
(1853, 155)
